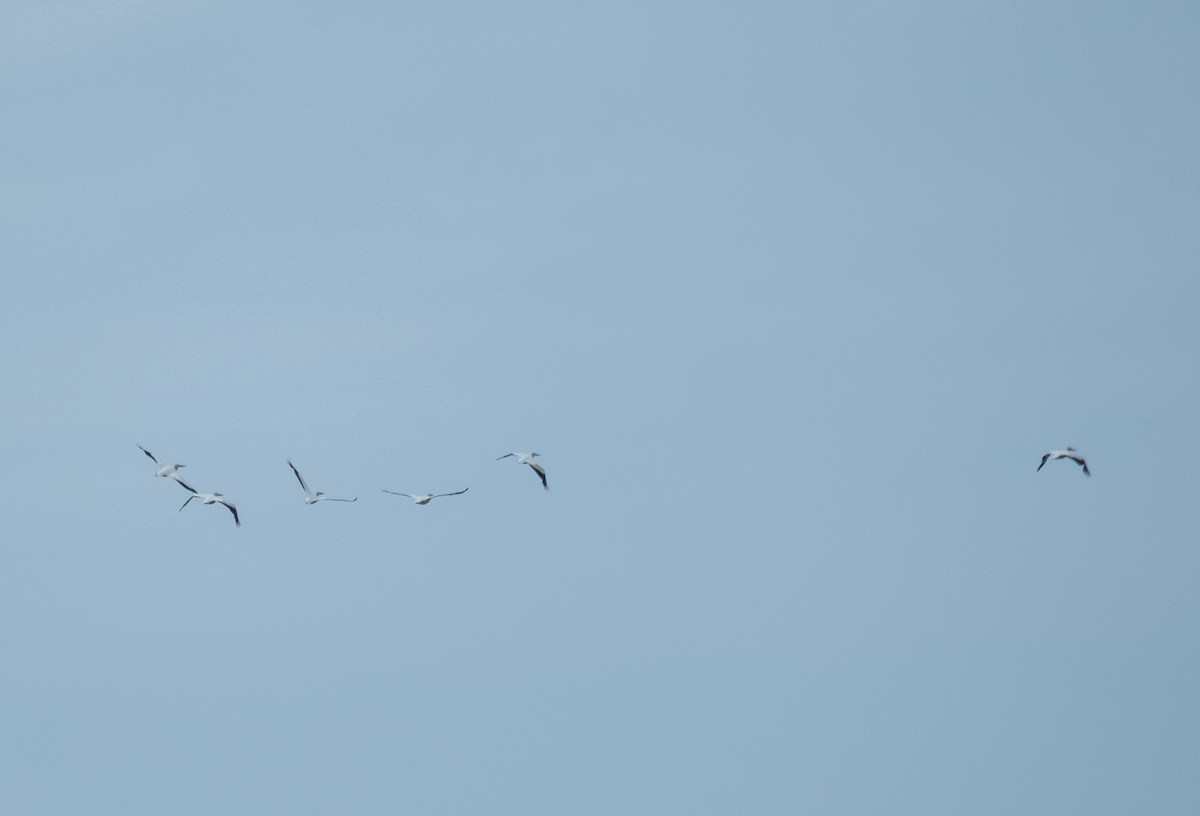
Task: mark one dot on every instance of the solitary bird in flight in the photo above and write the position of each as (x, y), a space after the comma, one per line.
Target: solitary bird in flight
(527, 459)
(1069, 453)
(163, 469)
(427, 498)
(309, 496)
(211, 498)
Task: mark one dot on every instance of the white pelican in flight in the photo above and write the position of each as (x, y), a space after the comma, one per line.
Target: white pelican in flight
(311, 497)
(211, 498)
(427, 498)
(1069, 453)
(527, 459)
(164, 469)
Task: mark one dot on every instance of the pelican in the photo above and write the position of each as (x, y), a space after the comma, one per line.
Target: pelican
(527, 459)
(211, 498)
(427, 498)
(1069, 453)
(164, 469)
(311, 497)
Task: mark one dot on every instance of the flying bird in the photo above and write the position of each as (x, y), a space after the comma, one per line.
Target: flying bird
(311, 497)
(527, 459)
(164, 469)
(1069, 453)
(211, 498)
(427, 498)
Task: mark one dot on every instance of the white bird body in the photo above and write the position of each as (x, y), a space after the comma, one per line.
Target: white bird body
(163, 468)
(528, 459)
(1069, 453)
(211, 498)
(311, 497)
(427, 497)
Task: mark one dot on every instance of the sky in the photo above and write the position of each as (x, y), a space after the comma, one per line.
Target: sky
(791, 298)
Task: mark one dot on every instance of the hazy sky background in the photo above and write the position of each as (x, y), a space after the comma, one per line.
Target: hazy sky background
(791, 297)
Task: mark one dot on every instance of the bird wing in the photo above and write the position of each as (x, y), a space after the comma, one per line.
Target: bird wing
(1044, 458)
(330, 498)
(151, 455)
(300, 478)
(541, 472)
(505, 456)
(237, 521)
(394, 493)
(457, 493)
(189, 498)
(184, 484)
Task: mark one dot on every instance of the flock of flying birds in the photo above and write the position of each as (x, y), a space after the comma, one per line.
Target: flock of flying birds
(171, 471)
(311, 496)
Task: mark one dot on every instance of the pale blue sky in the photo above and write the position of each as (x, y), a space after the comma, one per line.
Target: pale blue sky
(790, 296)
